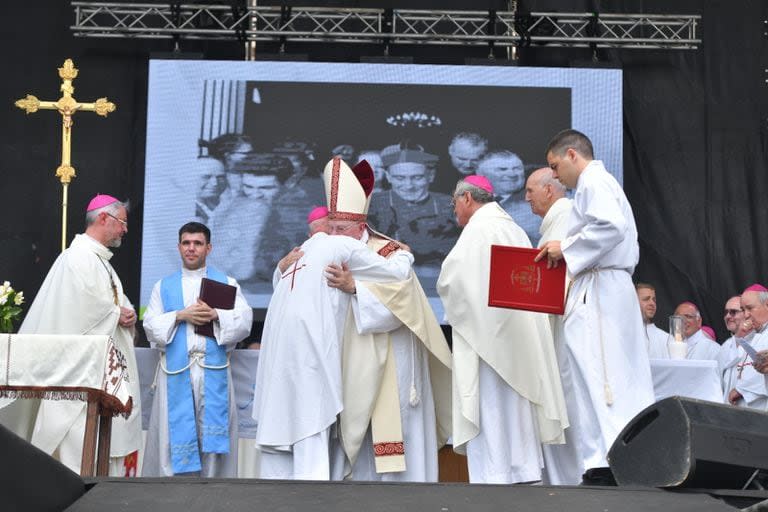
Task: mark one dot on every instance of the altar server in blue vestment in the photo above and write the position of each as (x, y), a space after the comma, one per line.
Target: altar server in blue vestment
(195, 431)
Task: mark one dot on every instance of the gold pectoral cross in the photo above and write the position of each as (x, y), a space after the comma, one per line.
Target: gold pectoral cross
(67, 106)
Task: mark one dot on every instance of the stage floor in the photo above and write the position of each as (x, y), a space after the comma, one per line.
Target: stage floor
(193, 495)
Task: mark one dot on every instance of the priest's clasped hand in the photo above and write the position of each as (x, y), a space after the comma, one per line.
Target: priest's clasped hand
(198, 313)
(340, 277)
(127, 317)
(553, 253)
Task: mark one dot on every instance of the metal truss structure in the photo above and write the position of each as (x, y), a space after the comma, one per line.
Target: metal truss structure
(383, 26)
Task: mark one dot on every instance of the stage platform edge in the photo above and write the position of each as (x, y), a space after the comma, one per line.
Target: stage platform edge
(198, 495)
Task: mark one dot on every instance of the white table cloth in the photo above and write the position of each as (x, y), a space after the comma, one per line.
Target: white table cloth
(688, 378)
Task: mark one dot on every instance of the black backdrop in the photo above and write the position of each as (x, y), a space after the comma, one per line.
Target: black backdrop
(694, 138)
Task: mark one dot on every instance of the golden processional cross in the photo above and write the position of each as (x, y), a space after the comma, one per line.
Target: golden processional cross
(67, 106)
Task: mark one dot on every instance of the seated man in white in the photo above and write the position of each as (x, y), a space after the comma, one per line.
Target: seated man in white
(699, 345)
(656, 339)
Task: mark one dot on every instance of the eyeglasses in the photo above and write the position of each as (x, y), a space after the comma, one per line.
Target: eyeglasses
(342, 228)
(121, 221)
(690, 316)
(732, 312)
(456, 198)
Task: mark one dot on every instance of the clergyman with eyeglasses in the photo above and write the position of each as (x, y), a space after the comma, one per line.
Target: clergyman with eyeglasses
(82, 294)
(742, 386)
(699, 346)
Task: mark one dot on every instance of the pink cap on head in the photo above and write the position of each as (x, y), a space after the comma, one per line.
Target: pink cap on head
(317, 213)
(689, 303)
(480, 182)
(708, 331)
(100, 201)
(756, 288)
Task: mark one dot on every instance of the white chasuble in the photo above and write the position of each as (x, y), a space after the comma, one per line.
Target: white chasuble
(737, 372)
(394, 317)
(78, 297)
(516, 345)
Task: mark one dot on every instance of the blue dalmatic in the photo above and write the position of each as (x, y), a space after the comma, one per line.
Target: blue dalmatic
(182, 430)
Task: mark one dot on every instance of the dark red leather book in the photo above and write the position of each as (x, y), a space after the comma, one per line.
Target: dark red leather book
(217, 295)
(519, 283)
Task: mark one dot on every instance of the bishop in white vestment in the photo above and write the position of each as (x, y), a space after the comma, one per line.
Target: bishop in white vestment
(198, 377)
(743, 384)
(507, 396)
(82, 294)
(547, 198)
(407, 404)
(606, 373)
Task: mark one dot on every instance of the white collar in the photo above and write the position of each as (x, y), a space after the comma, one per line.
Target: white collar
(91, 243)
(197, 273)
(554, 211)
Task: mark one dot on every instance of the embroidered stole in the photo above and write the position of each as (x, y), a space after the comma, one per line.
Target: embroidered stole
(386, 422)
(182, 428)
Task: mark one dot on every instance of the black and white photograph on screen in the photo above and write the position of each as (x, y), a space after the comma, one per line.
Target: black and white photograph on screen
(413, 129)
(257, 149)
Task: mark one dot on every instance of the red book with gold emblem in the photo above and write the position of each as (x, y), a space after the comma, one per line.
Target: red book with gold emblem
(517, 282)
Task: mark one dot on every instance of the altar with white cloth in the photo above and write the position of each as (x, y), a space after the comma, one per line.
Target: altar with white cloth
(67, 367)
(688, 378)
(243, 364)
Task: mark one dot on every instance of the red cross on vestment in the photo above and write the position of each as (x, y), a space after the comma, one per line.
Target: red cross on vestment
(292, 273)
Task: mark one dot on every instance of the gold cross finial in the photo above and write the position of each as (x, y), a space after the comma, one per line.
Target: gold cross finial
(67, 106)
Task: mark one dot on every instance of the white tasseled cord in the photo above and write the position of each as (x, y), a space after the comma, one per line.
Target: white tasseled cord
(415, 397)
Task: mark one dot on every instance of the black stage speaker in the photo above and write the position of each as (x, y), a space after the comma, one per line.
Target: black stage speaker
(31, 480)
(691, 443)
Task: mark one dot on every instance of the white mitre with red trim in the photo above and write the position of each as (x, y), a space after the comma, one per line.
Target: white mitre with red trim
(348, 191)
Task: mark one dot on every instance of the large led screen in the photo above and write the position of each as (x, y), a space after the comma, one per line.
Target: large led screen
(241, 147)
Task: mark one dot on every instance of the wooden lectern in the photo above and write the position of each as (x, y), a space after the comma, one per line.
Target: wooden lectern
(64, 367)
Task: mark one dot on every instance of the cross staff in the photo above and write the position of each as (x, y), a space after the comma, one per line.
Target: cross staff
(67, 106)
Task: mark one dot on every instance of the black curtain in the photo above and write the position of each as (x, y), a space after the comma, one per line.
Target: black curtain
(694, 138)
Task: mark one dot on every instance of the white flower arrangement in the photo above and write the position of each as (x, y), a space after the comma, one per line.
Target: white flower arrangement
(10, 306)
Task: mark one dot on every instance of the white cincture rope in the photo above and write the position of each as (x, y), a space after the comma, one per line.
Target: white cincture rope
(195, 357)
